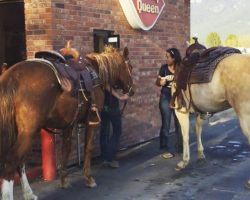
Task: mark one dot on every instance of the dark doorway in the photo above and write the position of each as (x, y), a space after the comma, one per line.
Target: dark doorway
(12, 32)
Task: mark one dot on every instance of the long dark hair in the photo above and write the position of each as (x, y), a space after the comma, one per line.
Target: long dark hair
(175, 54)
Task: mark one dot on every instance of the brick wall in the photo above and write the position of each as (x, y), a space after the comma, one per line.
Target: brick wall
(50, 23)
(38, 25)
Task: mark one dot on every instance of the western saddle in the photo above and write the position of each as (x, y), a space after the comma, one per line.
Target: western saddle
(68, 65)
(197, 66)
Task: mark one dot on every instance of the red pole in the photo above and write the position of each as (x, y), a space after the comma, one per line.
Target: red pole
(48, 155)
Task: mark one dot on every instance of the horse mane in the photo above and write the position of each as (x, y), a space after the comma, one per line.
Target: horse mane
(108, 63)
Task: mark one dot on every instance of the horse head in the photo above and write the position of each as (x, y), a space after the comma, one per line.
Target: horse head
(114, 69)
(126, 74)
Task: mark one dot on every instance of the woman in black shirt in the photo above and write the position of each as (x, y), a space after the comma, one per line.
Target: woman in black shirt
(165, 80)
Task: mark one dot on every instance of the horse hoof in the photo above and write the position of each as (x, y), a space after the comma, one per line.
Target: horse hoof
(30, 197)
(178, 168)
(91, 183)
(34, 197)
(181, 165)
(65, 185)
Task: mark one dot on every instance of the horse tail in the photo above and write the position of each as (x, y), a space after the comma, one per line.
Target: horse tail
(8, 130)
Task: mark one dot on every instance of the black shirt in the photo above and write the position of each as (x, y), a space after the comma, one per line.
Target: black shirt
(111, 103)
(166, 89)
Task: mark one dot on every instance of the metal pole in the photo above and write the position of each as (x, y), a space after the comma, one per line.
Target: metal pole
(79, 127)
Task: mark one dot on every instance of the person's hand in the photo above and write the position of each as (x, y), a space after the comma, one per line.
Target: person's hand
(124, 97)
(163, 81)
(169, 77)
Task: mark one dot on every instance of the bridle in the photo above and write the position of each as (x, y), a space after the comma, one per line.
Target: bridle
(130, 74)
(129, 86)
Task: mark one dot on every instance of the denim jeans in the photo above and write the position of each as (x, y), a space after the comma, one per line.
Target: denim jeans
(166, 113)
(109, 142)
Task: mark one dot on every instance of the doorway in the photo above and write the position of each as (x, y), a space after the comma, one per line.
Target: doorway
(12, 32)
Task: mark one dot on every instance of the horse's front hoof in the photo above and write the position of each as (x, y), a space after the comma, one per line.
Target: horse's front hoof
(178, 168)
(6, 197)
(65, 184)
(201, 155)
(31, 197)
(90, 183)
(181, 165)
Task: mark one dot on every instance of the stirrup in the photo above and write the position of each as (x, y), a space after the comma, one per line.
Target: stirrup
(95, 109)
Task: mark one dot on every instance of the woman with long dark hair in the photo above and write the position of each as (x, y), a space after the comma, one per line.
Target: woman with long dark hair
(165, 80)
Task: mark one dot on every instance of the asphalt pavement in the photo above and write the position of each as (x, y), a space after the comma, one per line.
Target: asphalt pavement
(145, 175)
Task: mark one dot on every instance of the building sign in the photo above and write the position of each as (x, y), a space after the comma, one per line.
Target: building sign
(142, 14)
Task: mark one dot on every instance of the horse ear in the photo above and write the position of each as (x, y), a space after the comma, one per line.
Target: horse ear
(125, 52)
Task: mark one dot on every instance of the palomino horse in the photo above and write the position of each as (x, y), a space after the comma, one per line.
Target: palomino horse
(229, 87)
(31, 98)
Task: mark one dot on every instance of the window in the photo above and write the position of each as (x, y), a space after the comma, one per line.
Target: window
(12, 32)
(105, 37)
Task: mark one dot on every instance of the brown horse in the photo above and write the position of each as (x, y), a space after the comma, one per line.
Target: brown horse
(31, 98)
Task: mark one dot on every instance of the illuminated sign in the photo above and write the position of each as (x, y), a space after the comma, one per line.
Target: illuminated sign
(142, 14)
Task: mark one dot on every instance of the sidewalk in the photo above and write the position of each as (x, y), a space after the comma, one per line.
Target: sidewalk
(145, 175)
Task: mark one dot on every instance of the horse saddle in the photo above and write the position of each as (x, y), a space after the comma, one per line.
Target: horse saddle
(76, 72)
(203, 69)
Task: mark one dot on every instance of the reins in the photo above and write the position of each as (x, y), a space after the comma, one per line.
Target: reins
(123, 107)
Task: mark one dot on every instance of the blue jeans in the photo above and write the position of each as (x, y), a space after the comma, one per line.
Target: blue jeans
(109, 142)
(166, 113)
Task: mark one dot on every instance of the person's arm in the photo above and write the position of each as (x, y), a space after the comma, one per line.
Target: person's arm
(160, 81)
(116, 94)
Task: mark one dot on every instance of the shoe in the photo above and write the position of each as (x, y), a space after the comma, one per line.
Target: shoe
(167, 155)
(112, 164)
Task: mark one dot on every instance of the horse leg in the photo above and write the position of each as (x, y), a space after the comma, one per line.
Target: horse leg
(65, 150)
(13, 159)
(27, 191)
(7, 189)
(245, 126)
(183, 119)
(98, 99)
(198, 131)
(89, 135)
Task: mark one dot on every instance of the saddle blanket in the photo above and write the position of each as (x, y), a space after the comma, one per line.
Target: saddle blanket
(203, 70)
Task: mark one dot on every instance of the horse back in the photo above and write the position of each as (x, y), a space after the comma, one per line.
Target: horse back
(229, 85)
(202, 71)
